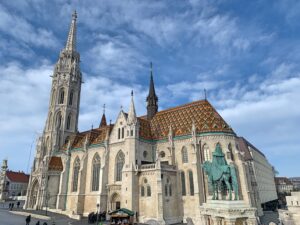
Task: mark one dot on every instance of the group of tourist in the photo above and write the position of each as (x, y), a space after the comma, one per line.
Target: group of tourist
(11, 205)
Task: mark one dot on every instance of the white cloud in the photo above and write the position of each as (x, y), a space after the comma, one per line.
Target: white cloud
(20, 29)
(114, 58)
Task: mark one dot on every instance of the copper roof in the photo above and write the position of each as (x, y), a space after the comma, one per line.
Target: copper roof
(19, 177)
(181, 118)
(55, 164)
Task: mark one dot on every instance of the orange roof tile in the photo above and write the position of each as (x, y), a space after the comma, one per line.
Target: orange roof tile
(55, 164)
(94, 136)
(19, 177)
(181, 118)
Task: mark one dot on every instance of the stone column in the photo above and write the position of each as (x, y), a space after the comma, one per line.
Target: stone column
(217, 220)
(230, 221)
(206, 219)
(252, 221)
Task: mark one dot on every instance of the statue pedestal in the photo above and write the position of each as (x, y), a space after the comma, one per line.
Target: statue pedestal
(219, 212)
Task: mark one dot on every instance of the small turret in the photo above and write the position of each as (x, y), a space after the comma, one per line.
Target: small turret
(103, 119)
(4, 164)
(131, 119)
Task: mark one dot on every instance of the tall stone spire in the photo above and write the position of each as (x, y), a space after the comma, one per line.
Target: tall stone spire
(71, 42)
(152, 100)
(131, 114)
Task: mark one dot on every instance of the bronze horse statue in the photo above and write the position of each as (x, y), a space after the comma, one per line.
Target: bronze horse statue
(219, 172)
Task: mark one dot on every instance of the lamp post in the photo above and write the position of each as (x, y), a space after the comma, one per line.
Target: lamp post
(98, 205)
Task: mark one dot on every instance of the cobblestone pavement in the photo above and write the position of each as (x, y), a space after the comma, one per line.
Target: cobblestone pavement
(9, 218)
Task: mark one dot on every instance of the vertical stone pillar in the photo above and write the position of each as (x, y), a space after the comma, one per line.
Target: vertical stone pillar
(205, 219)
(217, 220)
(230, 221)
(252, 221)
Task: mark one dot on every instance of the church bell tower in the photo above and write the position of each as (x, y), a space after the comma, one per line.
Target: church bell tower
(62, 120)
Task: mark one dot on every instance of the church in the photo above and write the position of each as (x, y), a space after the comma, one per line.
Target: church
(150, 164)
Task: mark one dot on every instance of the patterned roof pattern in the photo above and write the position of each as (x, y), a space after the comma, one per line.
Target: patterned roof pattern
(181, 118)
(94, 136)
(55, 164)
(19, 177)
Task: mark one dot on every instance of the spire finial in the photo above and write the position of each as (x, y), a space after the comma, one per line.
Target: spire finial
(131, 93)
(205, 95)
(74, 15)
(103, 119)
(71, 42)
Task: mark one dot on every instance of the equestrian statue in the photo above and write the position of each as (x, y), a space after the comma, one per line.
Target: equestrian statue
(221, 174)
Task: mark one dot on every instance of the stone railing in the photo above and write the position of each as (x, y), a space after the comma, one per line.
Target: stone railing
(114, 187)
(147, 166)
(168, 167)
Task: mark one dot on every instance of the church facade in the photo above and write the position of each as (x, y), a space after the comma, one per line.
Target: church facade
(150, 164)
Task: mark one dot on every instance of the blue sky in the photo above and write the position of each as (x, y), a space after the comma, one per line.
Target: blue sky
(245, 53)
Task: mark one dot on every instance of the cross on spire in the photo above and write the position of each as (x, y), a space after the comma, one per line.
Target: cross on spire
(103, 119)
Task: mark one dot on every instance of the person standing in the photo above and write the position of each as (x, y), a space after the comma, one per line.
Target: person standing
(28, 219)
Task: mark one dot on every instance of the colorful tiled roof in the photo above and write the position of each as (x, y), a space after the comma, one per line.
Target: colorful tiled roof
(94, 136)
(55, 164)
(19, 177)
(181, 118)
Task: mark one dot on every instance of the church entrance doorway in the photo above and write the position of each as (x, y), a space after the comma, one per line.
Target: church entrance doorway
(118, 205)
(115, 202)
(34, 194)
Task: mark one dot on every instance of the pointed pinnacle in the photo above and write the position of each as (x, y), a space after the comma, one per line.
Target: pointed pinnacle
(71, 42)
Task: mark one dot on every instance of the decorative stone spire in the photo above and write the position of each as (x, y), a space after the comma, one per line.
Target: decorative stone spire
(152, 100)
(4, 164)
(71, 42)
(103, 119)
(131, 114)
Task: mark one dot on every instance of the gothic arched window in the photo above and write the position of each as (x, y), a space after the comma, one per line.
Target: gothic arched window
(120, 159)
(71, 98)
(142, 191)
(69, 121)
(148, 191)
(96, 172)
(184, 153)
(191, 180)
(166, 190)
(76, 168)
(61, 96)
(206, 152)
(183, 190)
